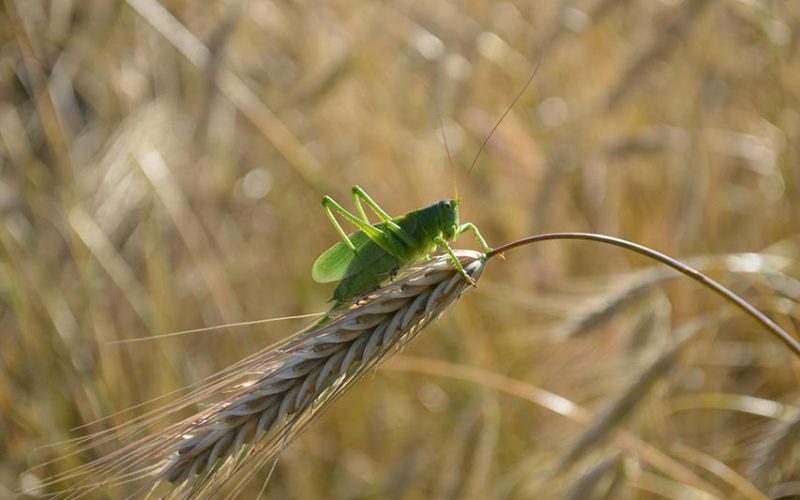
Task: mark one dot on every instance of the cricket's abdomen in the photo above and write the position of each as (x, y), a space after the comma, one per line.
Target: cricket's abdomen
(379, 272)
(383, 265)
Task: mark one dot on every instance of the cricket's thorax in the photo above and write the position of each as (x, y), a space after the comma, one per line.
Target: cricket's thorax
(425, 225)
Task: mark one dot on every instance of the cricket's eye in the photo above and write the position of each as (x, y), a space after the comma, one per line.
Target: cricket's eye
(447, 204)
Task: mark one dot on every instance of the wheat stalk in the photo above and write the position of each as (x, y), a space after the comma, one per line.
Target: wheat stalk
(604, 480)
(629, 400)
(598, 312)
(778, 459)
(272, 396)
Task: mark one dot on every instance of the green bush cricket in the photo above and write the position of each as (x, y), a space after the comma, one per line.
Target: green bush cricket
(367, 258)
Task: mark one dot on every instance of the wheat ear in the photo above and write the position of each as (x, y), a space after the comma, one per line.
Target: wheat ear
(273, 396)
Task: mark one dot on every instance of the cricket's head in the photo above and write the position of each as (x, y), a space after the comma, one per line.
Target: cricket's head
(447, 214)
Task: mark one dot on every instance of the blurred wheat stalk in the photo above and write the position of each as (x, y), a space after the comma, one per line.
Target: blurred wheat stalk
(672, 122)
(273, 395)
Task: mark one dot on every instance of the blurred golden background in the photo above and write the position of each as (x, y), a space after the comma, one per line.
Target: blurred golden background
(161, 168)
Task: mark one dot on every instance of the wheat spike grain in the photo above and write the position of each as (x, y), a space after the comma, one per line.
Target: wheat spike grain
(273, 395)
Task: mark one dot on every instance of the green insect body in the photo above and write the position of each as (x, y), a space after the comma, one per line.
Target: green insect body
(371, 256)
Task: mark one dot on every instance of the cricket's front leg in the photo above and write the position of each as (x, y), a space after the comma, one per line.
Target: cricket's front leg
(444, 245)
(469, 226)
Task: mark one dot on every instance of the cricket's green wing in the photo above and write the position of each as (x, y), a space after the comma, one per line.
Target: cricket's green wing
(340, 261)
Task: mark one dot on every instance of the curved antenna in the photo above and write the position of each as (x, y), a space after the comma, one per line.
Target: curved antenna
(508, 110)
(453, 172)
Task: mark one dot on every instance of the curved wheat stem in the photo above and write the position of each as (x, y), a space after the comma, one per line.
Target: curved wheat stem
(272, 397)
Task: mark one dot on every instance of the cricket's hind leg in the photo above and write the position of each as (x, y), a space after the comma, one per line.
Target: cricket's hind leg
(373, 233)
(360, 195)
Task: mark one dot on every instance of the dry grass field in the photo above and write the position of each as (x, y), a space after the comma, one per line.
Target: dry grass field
(161, 168)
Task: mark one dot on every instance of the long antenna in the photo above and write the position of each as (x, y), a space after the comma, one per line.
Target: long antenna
(508, 110)
(447, 149)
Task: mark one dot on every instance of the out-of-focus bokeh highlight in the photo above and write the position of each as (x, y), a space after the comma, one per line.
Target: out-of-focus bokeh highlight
(162, 165)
